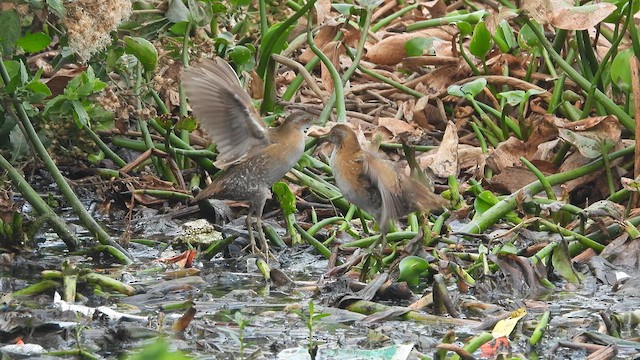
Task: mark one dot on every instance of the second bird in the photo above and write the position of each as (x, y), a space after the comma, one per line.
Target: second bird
(252, 156)
(374, 184)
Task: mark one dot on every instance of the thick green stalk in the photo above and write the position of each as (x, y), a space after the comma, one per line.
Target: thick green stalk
(108, 152)
(337, 97)
(496, 212)
(84, 216)
(585, 84)
(41, 207)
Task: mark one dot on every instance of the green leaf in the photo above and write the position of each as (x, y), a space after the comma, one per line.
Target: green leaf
(9, 30)
(19, 144)
(143, 50)
(464, 27)
(177, 11)
(285, 197)
(80, 114)
(369, 4)
(471, 88)
(39, 88)
(513, 98)
(480, 41)
(411, 268)
(199, 13)
(240, 3)
(528, 40)
(34, 42)
(416, 46)
(241, 56)
(504, 37)
(179, 28)
(57, 7)
(562, 265)
(620, 70)
(344, 9)
(621, 10)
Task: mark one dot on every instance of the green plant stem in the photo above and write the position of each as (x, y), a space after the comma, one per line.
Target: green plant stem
(545, 184)
(387, 80)
(84, 216)
(264, 24)
(204, 163)
(604, 63)
(56, 222)
(387, 20)
(323, 250)
(337, 97)
(471, 18)
(585, 84)
(107, 151)
(496, 212)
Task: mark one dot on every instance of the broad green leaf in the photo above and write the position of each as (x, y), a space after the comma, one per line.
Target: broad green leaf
(143, 50)
(285, 197)
(562, 264)
(57, 7)
(344, 9)
(34, 42)
(471, 88)
(504, 37)
(480, 41)
(464, 27)
(179, 28)
(513, 98)
(528, 40)
(177, 11)
(80, 114)
(39, 88)
(620, 70)
(9, 30)
(416, 46)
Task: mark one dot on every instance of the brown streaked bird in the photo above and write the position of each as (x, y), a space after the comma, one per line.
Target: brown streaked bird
(252, 156)
(374, 184)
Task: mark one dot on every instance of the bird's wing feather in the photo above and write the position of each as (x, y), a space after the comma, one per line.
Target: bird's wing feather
(225, 111)
(385, 177)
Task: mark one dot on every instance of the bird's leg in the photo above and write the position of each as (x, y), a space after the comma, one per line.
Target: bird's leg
(263, 240)
(249, 225)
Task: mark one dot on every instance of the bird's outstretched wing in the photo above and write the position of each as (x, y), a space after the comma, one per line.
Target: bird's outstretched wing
(225, 111)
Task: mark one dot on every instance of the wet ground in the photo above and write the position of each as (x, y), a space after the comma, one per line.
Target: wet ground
(238, 314)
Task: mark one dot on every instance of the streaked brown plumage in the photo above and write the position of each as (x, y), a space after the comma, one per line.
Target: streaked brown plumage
(374, 184)
(252, 156)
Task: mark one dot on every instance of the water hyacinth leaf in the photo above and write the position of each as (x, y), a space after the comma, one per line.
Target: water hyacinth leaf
(58, 7)
(620, 70)
(411, 268)
(199, 13)
(464, 27)
(504, 37)
(513, 98)
(416, 46)
(344, 9)
(561, 261)
(480, 41)
(287, 202)
(587, 146)
(528, 40)
(34, 42)
(471, 88)
(143, 50)
(9, 30)
(177, 11)
(370, 4)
